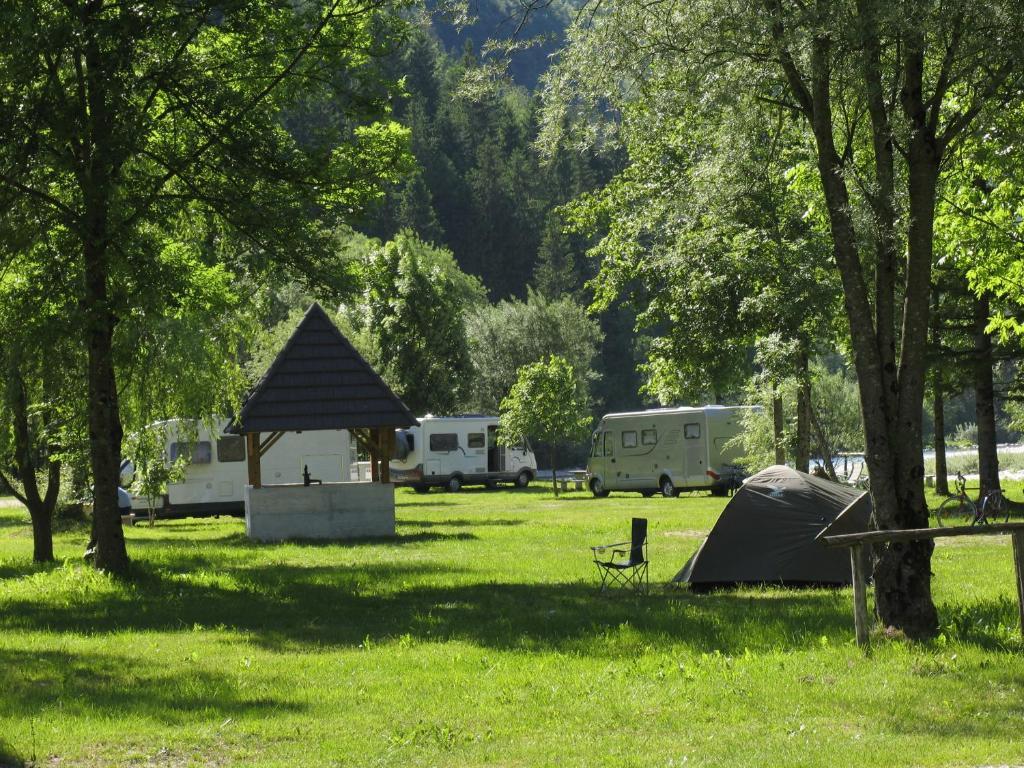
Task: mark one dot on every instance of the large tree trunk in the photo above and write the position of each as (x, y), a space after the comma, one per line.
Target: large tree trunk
(778, 426)
(939, 403)
(105, 431)
(985, 408)
(893, 445)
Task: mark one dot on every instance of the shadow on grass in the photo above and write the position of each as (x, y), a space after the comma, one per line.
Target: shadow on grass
(992, 624)
(280, 606)
(8, 756)
(33, 680)
(241, 541)
(14, 569)
(14, 517)
(449, 522)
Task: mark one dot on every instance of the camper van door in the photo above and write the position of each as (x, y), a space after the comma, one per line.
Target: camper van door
(695, 447)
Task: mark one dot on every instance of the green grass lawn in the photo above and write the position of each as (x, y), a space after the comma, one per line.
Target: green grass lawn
(477, 638)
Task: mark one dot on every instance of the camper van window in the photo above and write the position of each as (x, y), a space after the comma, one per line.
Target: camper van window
(475, 440)
(691, 431)
(230, 449)
(649, 437)
(596, 448)
(444, 442)
(196, 453)
(609, 445)
(629, 439)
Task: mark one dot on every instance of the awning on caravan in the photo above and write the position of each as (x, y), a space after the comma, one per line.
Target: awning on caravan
(767, 533)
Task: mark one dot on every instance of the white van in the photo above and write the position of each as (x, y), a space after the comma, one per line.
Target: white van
(217, 472)
(453, 451)
(667, 450)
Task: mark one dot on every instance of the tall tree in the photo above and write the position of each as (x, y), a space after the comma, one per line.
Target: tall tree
(118, 119)
(548, 403)
(413, 311)
(505, 337)
(885, 90)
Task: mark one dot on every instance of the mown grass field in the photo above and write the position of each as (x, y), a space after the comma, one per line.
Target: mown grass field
(476, 638)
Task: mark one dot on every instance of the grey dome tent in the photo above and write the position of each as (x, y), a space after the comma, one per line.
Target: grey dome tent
(767, 533)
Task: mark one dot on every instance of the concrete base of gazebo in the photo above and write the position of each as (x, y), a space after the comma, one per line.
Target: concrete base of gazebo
(329, 511)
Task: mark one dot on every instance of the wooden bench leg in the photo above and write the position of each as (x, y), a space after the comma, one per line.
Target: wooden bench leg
(1018, 570)
(860, 594)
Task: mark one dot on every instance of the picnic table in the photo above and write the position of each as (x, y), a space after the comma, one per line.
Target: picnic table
(577, 478)
(856, 542)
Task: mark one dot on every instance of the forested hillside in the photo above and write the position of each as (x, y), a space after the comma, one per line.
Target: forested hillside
(480, 189)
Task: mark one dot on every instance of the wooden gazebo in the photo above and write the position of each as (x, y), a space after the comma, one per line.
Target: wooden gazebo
(318, 381)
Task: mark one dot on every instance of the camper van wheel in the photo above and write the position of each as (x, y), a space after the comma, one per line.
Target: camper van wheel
(597, 488)
(668, 490)
(454, 484)
(522, 479)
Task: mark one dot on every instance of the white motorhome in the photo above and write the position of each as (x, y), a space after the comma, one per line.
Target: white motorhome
(453, 451)
(216, 473)
(666, 449)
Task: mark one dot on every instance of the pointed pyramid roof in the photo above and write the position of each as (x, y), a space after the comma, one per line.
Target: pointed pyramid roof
(319, 381)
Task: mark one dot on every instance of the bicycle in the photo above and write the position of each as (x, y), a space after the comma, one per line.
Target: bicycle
(961, 508)
(994, 508)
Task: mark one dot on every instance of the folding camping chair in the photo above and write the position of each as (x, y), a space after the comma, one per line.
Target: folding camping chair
(631, 573)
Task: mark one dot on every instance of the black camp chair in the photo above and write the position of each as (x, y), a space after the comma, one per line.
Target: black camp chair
(631, 573)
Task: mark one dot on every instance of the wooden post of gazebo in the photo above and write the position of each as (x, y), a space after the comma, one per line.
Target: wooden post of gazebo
(252, 453)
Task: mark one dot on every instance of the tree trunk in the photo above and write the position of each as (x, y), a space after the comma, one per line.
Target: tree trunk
(893, 445)
(823, 446)
(554, 464)
(778, 422)
(985, 410)
(105, 432)
(903, 571)
(40, 507)
(802, 459)
(938, 402)
(939, 420)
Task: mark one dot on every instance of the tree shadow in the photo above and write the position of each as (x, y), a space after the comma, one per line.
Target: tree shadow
(13, 517)
(172, 695)
(242, 541)
(9, 757)
(14, 569)
(992, 624)
(281, 606)
(458, 522)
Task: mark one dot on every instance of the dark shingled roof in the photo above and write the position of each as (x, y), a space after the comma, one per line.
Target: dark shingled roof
(320, 381)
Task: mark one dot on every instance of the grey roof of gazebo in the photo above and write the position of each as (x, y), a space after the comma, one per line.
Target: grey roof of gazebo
(319, 381)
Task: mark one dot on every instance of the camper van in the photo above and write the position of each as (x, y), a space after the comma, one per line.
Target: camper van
(216, 473)
(453, 451)
(666, 450)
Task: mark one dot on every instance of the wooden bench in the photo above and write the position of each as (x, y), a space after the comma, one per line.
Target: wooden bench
(566, 482)
(856, 542)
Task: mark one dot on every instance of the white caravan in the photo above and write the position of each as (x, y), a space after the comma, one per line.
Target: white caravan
(453, 451)
(217, 472)
(666, 450)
